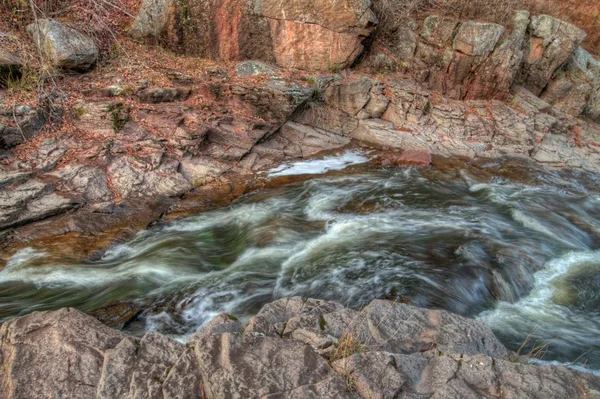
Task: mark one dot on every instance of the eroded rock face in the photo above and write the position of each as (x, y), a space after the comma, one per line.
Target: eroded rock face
(551, 44)
(294, 348)
(467, 60)
(65, 47)
(405, 116)
(309, 34)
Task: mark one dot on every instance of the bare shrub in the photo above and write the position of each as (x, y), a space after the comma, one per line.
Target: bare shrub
(99, 19)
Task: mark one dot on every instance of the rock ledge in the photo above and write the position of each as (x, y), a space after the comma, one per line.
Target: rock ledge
(293, 348)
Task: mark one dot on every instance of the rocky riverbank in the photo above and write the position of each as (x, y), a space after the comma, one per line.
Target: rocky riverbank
(293, 348)
(207, 96)
(110, 156)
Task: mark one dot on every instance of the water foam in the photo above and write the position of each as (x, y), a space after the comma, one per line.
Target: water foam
(320, 166)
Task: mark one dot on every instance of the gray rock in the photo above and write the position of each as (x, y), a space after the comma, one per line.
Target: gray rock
(135, 177)
(151, 19)
(138, 369)
(552, 43)
(183, 380)
(406, 43)
(250, 366)
(381, 326)
(156, 95)
(102, 118)
(298, 141)
(65, 47)
(68, 354)
(222, 323)
(379, 374)
(255, 68)
(477, 38)
(90, 183)
(439, 30)
(53, 354)
(30, 202)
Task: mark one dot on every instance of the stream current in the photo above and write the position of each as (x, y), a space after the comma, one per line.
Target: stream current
(522, 254)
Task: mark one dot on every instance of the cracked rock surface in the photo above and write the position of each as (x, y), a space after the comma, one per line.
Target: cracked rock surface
(293, 348)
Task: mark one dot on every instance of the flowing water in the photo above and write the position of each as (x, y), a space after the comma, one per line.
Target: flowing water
(524, 257)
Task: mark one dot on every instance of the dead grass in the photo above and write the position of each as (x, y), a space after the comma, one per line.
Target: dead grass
(348, 345)
(394, 14)
(537, 351)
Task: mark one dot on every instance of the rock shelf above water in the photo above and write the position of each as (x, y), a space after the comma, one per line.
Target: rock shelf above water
(293, 348)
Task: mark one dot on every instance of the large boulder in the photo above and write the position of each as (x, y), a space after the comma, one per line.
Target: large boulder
(307, 34)
(551, 44)
(57, 354)
(151, 19)
(64, 46)
(477, 38)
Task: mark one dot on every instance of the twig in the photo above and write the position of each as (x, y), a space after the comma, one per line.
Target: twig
(17, 122)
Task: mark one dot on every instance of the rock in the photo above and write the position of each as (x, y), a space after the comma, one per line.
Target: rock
(300, 141)
(382, 325)
(255, 68)
(19, 124)
(10, 67)
(65, 47)
(201, 170)
(154, 95)
(151, 19)
(570, 90)
(380, 374)
(138, 369)
(409, 157)
(476, 38)
(236, 365)
(135, 177)
(439, 30)
(273, 317)
(13, 178)
(30, 202)
(309, 34)
(349, 97)
(497, 73)
(116, 314)
(406, 43)
(551, 44)
(436, 375)
(66, 353)
(220, 324)
(274, 101)
(90, 183)
(53, 354)
(102, 118)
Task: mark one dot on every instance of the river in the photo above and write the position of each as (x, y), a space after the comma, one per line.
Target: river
(521, 252)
